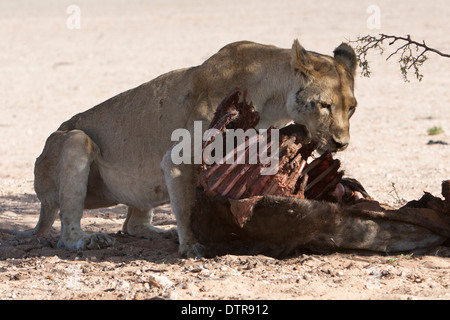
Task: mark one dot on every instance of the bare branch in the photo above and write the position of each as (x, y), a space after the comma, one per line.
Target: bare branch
(412, 53)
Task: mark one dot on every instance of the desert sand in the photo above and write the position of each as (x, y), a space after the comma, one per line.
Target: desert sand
(52, 66)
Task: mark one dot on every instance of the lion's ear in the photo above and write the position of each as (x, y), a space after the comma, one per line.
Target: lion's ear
(300, 59)
(345, 54)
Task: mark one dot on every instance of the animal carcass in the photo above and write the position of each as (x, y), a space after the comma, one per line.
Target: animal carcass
(306, 205)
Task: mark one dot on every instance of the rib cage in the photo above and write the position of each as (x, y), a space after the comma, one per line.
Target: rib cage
(299, 174)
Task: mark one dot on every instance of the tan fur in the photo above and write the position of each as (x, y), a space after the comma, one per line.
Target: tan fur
(112, 153)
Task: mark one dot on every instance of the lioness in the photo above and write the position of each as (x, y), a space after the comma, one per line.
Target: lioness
(113, 153)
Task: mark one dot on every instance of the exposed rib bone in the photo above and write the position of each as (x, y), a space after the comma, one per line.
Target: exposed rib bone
(295, 177)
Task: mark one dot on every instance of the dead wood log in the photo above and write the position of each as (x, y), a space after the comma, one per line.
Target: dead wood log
(307, 205)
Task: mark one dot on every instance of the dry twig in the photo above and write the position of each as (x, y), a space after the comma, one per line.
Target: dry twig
(412, 53)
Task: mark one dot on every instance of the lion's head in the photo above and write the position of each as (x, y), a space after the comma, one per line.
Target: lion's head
(324, 101)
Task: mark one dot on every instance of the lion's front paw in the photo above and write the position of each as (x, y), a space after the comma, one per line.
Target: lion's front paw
(195, 250)
(86, 241)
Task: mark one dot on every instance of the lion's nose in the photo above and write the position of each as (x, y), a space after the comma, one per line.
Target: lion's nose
(340, 144)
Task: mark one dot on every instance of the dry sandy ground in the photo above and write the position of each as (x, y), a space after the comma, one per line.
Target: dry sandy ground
(50, 72)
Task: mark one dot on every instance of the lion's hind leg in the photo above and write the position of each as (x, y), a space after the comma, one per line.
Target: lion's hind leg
(74, 164)
(61, 178)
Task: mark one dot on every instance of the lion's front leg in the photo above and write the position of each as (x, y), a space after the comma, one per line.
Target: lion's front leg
(139, 224)
(181, 181)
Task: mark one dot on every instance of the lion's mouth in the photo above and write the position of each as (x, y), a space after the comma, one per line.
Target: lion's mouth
(322, 139)
(328, 148)
(300, 130)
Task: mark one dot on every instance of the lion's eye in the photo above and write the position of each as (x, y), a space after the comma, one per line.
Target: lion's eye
(326, 106)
